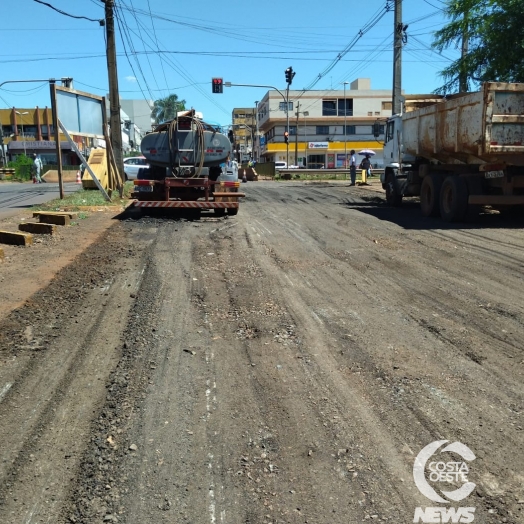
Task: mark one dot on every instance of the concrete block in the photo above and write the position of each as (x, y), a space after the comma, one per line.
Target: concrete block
(37, 228)
(70, 214)
(15, 239)
(59, 220)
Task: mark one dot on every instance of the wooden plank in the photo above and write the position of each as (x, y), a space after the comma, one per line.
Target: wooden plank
(70, 214)
(15, 239)
(37, 228)
(59, 220)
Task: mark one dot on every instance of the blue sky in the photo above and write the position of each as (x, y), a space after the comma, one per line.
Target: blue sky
(241, 42)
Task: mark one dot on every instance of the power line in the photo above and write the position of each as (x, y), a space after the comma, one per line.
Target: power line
(367, 27)
(100, 21)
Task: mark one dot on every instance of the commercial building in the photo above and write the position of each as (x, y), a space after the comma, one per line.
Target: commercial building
(32, 130)
(324, 125)
(243, 132)
(136, 121)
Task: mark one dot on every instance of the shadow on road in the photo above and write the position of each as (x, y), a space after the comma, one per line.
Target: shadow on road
(409, 216)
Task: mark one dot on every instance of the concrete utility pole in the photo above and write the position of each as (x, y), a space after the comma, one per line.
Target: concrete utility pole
(397, 57)
(296, 135)
(114, 97)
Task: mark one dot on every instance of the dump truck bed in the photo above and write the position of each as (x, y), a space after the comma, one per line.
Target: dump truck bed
(485, 126)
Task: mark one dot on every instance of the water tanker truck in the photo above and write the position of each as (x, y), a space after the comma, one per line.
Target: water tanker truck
(185, 158)
(459, 153)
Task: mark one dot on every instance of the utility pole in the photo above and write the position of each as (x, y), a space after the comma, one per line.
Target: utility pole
(296, 135)
(114, 97)
(397, 57)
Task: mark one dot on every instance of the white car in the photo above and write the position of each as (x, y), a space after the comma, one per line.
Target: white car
(280, 165)
(132, 165)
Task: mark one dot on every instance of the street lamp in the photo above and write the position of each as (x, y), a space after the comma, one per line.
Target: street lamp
(22, 124)
(345, 128)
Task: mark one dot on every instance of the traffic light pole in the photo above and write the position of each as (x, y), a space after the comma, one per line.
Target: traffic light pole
(287, 126)
(230, 84)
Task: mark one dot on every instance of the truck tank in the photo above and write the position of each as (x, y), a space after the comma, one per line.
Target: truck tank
(185, 142)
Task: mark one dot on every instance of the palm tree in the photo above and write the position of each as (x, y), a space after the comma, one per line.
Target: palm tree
(167, 108)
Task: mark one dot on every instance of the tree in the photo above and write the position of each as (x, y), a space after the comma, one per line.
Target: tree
(167, 108)
(494, 30)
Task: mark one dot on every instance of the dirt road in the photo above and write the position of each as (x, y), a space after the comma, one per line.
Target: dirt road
(284, 365)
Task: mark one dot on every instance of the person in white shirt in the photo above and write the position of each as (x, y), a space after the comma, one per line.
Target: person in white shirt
(37, 168)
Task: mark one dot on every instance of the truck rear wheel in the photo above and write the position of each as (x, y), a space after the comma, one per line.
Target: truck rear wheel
(219, 211)
(393, 196)
(454, 199)
(430, 195)
(232, 211)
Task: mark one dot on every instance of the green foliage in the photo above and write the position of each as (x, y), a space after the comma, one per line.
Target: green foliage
(495, 33)
(167, 108)
(22, 166)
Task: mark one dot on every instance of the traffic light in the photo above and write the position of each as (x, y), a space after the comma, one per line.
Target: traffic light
(289, 75)
(286, 137)
(217, 85)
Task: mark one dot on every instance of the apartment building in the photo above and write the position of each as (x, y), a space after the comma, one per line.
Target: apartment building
(243, 132)
(324, 125)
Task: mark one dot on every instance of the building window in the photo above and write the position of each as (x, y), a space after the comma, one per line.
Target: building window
(370, 113)
(345, 107)
(282, 106)
(270, 134)
(351, 130)
(322, 130)
(390, 131)
(329, 108)
(292, 130)
(387, 106)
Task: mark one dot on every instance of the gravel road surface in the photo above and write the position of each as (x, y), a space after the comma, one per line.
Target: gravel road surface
(286, 365)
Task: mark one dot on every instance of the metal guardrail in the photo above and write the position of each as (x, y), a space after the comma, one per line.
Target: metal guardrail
(321, 174)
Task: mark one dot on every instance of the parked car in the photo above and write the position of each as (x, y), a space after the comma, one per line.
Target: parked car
(132, 165)
(280, 165)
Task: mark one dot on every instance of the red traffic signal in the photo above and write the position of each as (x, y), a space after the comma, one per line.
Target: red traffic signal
(217, 85)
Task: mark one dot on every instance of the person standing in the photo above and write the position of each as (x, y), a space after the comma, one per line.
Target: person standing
(37, 168)
(365, 165)
(353, 167)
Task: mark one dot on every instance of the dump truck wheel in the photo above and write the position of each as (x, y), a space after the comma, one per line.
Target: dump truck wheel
(232, 211)
(430, 195)
(393, 196)
(454, 199)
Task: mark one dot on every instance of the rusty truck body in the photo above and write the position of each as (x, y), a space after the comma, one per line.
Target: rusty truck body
(459, 153)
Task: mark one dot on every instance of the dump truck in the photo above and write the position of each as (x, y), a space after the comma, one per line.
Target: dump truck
(459, 153)
(187, 168)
